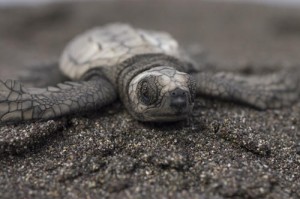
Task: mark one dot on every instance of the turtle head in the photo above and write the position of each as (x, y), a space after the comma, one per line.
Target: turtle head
(161, 94)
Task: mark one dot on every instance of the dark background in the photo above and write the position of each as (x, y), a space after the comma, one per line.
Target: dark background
(228, 31)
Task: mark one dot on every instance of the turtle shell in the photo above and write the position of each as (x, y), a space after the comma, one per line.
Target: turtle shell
(112, 44)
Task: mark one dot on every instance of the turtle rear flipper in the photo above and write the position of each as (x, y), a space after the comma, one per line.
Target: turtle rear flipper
(263, 92)
(18, 103)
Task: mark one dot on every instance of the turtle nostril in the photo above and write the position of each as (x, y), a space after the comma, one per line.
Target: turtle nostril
(178, 99)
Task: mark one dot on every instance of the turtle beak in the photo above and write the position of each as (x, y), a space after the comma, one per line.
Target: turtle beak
(179, 100)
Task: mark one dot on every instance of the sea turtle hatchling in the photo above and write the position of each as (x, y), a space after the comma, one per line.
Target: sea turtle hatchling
(147, 70)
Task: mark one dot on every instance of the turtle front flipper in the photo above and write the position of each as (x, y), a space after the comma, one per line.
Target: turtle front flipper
(18, 103)
(262, 92)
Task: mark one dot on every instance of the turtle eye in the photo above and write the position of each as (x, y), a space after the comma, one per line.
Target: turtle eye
(147, 91)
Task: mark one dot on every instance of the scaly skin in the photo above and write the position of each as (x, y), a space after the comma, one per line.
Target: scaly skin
(21, 104)
(264, 92)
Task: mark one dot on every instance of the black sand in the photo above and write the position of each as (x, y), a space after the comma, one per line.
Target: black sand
(225, 151)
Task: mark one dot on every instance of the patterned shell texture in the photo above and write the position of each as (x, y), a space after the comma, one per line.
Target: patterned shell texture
(112, 44)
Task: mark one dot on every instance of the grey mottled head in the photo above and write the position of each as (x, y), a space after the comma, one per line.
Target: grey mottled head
(161, 94)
